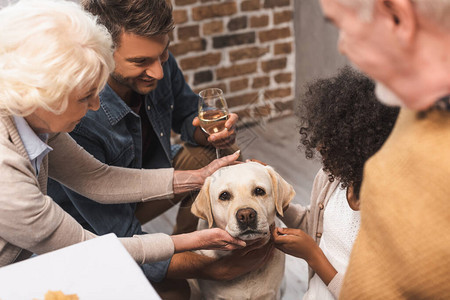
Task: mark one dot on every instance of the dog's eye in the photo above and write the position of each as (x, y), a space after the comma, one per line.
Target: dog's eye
(259, 191)
(225, 196)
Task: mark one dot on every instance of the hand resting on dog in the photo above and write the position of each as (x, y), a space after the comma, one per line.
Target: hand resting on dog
(189, 180)
(208, 239)
(298, 243)
(238, 263)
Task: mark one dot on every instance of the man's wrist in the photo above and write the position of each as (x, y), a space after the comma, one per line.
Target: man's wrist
(190, 265)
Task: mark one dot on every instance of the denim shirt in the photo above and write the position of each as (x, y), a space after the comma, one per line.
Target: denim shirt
(113, 135)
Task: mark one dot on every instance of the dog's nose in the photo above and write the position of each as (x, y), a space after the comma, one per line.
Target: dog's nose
(246, 217)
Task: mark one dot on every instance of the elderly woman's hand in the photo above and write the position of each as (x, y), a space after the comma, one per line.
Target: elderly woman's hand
(185, 181)
(208, 239)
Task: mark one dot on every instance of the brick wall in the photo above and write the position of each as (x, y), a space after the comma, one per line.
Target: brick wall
(244, 47)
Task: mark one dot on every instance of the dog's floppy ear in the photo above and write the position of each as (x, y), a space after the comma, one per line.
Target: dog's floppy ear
(283, 192)
(202, 204)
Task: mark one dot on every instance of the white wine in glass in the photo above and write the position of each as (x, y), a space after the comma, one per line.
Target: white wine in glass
(212, 111)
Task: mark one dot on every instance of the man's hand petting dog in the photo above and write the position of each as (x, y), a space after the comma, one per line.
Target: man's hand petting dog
(242, 261)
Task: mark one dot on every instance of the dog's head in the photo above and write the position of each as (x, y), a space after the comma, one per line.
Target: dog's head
(243, 199)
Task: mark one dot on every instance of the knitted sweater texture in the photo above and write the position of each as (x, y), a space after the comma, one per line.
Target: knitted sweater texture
(403, 247)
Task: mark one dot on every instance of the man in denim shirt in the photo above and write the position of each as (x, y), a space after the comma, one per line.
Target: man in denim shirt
(147, 97)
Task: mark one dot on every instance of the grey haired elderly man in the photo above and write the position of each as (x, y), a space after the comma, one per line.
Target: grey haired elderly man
(400, 252)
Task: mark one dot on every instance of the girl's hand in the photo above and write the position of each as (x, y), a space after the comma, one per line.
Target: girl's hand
(295, 242)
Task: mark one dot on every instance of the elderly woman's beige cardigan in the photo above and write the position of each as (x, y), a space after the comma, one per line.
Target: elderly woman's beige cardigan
(30, 220)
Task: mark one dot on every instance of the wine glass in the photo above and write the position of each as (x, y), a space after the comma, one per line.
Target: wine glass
(212, 111)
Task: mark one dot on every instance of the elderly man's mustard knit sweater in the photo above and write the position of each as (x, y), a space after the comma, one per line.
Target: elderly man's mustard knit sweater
(403, 247)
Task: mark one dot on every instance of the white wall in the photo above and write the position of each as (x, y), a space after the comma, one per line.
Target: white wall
(315, 43)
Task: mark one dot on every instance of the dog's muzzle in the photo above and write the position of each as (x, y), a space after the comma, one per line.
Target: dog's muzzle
(246, 218)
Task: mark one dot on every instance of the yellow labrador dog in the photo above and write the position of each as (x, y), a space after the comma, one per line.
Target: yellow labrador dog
(243, 199)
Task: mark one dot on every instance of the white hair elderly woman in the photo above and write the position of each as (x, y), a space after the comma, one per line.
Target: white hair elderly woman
(54, 60)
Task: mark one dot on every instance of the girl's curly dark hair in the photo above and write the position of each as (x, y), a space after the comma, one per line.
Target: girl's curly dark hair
(342, 119)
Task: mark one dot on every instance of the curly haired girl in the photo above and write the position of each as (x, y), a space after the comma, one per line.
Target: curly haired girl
(340, 119)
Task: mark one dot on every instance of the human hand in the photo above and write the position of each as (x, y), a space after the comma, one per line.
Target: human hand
(298, 243)
(224, 138)
(207, 239)
(194, 265)
(216, 164)
(295, 242)
(185, 181)
(241, 261)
